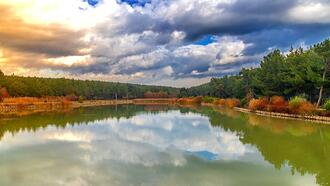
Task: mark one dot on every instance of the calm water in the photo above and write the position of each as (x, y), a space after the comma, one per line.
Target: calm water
(143, 145)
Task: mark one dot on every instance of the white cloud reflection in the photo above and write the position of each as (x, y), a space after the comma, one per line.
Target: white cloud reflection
(141, 139)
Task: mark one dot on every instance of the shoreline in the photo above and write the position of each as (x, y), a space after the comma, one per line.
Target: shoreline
(93, 103)
(312, 118)
(30, 108)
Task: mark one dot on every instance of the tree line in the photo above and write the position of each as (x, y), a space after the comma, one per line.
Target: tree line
(299, 73)
(18, 86)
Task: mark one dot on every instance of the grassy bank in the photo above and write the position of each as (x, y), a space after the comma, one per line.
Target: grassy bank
(276, 106)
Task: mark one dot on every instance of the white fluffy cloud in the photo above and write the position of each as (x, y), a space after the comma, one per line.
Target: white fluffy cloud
(311, 12)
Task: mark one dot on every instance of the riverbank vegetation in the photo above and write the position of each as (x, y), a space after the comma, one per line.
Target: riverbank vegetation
(303, 73)
(295, 83)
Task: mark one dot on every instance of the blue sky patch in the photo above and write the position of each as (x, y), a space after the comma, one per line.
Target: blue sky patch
(206, 40)
(135, 2)
(206, 155)
(92, 2)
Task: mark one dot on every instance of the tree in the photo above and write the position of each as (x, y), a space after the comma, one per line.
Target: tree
(3, 93)
(323, 49)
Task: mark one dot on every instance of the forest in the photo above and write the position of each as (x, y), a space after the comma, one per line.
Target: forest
(300, 72)
(17, 86)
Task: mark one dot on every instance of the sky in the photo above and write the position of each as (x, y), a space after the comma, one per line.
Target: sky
(179, 43)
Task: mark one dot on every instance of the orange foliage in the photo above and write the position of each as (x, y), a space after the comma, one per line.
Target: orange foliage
(258, 104)
(66, 102)
(278, 104)
(4, 93)
(21, 100)
(32, 100)
(231, 103)
(71, 97)
(221, 102)
(195, 100)
(304, 108)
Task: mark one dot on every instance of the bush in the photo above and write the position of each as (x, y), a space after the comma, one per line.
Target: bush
(3, 94)
(244, 102)
(208, 99)
(296, 101)
(221, 102)
(299, 105)
(278, 104)
(195, 100)
(231, 103)
(326, 105)
(258, 104)
(307, 108)
(71, 97)
(81, 99)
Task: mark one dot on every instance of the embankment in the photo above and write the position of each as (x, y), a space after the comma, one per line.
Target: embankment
(28, 108)
(319, 119)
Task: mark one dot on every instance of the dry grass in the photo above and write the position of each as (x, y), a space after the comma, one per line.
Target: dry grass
(231, 103)
(258, 104)
(187, 101)
(221, 102)
(32, 100)
(298, 105)
(278, 104)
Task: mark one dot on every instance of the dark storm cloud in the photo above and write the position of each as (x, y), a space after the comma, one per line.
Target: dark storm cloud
(242, 17)
(285, 37)
(263, 23)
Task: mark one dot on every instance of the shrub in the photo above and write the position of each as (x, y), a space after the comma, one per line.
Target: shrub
(231, 103)
(221, 102)
(208, 99)
(258, 104)
(81, 99)
(326, 105)
(71, 97)
(299, 105)
(296, 101)
(195, 100)
(278, 104)
(244, 102)
(306, 108)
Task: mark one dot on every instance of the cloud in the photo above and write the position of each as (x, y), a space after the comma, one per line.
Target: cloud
(154, 41)
(51, 40)
(311, 12)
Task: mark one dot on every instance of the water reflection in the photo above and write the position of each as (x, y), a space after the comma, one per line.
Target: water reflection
(303, 146)
(137, 145)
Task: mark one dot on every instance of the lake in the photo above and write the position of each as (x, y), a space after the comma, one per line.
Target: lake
(161, 145)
